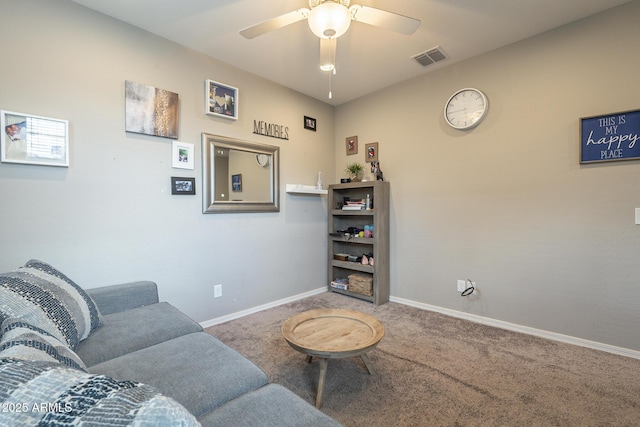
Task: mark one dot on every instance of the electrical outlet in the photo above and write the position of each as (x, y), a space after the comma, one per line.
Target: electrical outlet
(217, 291)
(462, 285)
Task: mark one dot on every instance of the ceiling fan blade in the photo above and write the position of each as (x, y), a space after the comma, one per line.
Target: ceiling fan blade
(383, 19)
(328, 54)
(275, 23)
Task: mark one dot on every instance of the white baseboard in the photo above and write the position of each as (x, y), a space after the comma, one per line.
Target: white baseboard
(453, 313)
(252, 310)
(523, 329)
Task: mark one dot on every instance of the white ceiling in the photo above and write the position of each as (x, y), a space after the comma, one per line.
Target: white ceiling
(368, 58)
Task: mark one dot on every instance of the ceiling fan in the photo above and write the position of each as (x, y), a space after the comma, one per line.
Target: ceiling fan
(329, 19)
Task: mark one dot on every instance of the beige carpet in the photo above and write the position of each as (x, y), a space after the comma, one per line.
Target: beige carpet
(435, 370)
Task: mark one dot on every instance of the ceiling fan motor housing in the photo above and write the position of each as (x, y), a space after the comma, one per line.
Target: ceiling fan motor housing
(329, 20)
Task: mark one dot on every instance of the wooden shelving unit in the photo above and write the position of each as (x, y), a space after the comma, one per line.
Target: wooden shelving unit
(340, 220)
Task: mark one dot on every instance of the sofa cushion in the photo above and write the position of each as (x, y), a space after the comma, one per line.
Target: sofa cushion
(46, 298)
(45, 393)
(132, 330)
(266, 406)
(21, 340)
(197, 370)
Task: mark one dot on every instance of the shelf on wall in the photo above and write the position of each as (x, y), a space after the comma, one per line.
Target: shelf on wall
(304, 189)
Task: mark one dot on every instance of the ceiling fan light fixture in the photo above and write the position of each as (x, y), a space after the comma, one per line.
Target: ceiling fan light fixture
(329, 20)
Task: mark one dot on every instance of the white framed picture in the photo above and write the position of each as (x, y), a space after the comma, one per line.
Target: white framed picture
(222, 100)
(34, 140)
(182, 154)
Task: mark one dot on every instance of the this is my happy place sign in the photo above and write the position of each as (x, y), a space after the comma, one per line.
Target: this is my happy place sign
(611, 137)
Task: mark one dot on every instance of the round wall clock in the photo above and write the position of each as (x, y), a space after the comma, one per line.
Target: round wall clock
(466, 108)
(262, 159)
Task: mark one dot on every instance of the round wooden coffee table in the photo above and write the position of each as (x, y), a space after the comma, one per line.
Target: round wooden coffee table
(332, 334)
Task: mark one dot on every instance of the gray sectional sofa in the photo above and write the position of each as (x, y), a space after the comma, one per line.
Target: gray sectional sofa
(152, 342)
(117, 352)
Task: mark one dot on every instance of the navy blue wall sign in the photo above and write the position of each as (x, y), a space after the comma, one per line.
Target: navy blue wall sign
(611, 137)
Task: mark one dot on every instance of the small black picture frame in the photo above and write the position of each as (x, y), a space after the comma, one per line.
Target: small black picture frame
(310, 123)
(183, 185)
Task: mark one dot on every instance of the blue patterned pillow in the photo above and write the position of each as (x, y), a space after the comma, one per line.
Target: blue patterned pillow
(21, 340)
(42, 296)
(45, 393)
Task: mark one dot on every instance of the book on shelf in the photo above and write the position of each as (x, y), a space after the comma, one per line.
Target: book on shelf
(340, 284)
(353, 205)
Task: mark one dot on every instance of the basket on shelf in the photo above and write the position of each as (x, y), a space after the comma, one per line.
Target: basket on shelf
(361, 284)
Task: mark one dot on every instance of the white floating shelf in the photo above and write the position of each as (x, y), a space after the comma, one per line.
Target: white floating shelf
(304, 189)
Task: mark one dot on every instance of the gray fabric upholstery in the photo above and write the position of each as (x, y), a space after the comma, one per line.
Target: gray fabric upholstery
(271, 405)
(117, 298)
(142, 340)
(132, 330)
(196, 370)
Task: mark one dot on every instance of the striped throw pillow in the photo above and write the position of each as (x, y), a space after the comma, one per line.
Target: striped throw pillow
(44, 297)
(21, 340)
(48, 394)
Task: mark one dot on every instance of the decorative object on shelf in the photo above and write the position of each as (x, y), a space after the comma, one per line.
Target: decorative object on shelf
(352, 145)
(466, 108)
(376, 171)
(182, 185)
(309, 123)
(34, 140)
(221, 100)
(355, 171)
(360, 284)
(182, 155)
(236, 183)
(319, 182)
(262, 160)
(371, 152)
(150, 111)
(610, 138)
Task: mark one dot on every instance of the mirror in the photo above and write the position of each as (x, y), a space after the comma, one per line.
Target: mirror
(239, 176)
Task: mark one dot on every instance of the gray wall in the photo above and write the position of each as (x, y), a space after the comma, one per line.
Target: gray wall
(551, 244)
(110, 217)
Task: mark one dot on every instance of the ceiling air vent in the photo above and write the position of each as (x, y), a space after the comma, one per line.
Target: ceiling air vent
(431, 56)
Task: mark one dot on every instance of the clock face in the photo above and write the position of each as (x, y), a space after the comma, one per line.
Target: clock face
(466, 108)
(262, 159)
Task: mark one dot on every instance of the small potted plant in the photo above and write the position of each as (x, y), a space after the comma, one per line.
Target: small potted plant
(354, 170)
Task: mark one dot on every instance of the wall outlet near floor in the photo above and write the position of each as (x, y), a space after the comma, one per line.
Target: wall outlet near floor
(217, 291)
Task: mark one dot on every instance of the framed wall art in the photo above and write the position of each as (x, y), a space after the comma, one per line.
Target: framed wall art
(610, 138)
(236, 183)
(183, 185)
(182, 155)
(310, 123)
(371, 152)
(352, 145)
(34, 140)
(150, 111)
(221, 100)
